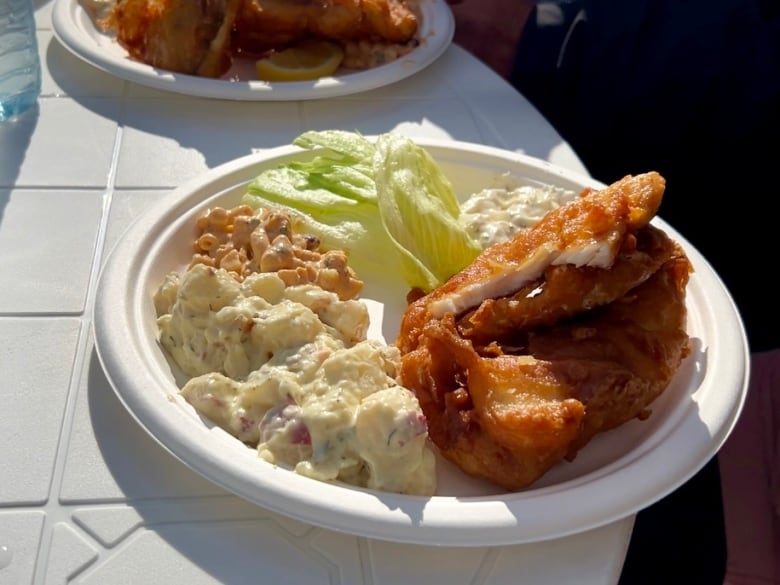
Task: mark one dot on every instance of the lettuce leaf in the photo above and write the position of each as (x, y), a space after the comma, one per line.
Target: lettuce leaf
(420, 211)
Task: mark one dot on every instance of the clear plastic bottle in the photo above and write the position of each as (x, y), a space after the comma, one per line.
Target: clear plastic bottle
(20, 66)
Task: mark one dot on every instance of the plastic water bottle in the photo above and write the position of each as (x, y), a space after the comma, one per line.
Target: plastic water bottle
(20, 66)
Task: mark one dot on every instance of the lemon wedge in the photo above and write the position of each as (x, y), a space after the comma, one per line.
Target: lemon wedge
(301, 62)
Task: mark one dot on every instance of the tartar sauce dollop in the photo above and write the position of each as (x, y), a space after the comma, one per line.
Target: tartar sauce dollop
(497, 213)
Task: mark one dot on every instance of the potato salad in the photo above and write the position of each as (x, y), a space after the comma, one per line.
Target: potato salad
(280, 359)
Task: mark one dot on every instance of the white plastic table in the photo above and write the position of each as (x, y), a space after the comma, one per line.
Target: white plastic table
(86, 496)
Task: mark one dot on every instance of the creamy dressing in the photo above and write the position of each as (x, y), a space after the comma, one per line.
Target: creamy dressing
(498, 213)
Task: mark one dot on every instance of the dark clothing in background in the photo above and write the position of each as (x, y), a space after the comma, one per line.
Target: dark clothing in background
(688, 88)
(691, 89)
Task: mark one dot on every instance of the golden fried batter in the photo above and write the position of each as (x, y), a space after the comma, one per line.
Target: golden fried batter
(571, 328)
(509, 418)
(262, 25)
(505, 418)
(183, 36)
(588, 231)
(565, 290)
(643, 332)
(201, 37)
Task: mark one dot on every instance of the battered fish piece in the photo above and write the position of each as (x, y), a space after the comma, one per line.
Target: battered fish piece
(588, 231)
(566, 290)
(262, 25)
(570, 328)
(183, 36)
(201, 37)
(643, 332)
(509, 418)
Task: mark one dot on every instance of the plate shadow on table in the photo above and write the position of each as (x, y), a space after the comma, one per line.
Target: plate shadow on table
(158, 115)
(141, 467)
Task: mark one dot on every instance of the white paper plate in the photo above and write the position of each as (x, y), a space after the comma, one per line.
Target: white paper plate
(75, 30)
(617, 474)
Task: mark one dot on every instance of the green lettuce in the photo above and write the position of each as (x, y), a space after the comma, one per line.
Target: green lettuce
(386, 203)
(419, 212)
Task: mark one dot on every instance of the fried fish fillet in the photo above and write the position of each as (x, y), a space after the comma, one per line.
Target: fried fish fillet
(201, 37)
(509, 418)
(183, 36)
(262, 25)
(643, 333)
(566, 290)
(587, 231)
(573, 327)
